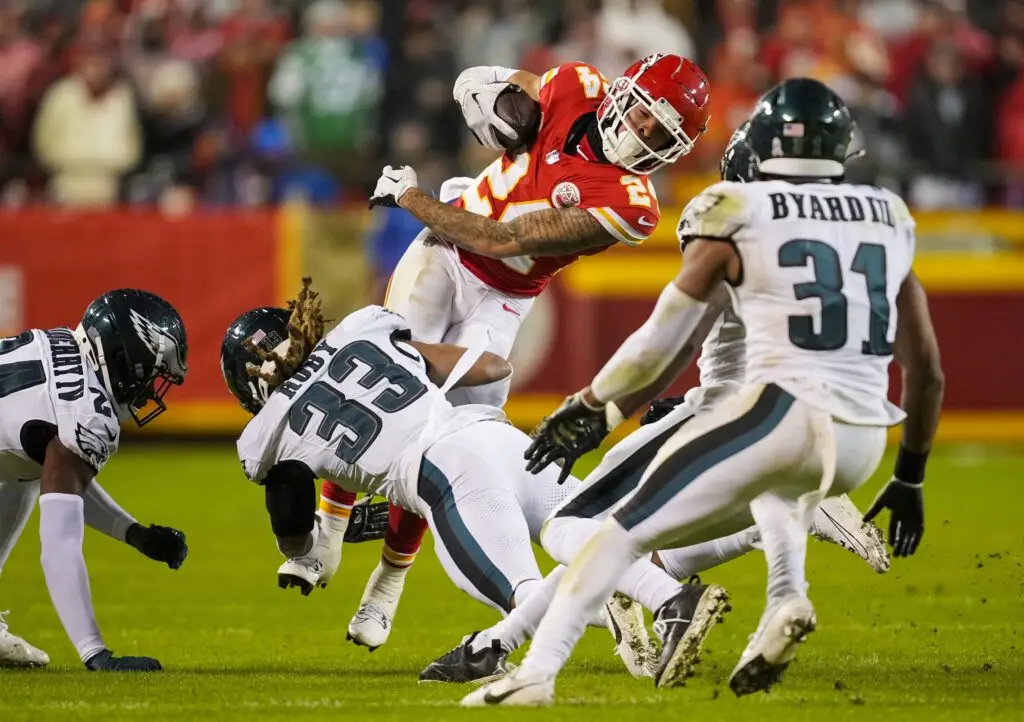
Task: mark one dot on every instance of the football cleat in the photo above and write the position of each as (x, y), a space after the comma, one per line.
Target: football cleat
(837, 520)
(783, 627)
(371, 625)
(16, 652)
(625, 620)
(682, 624)
(513, 690)
(318, 567)
(462, 664)
(301, 572)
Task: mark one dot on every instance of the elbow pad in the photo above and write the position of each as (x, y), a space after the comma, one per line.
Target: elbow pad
(291, 498)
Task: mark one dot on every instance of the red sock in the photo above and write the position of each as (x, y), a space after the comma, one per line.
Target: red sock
(336, 503)
(403, 538)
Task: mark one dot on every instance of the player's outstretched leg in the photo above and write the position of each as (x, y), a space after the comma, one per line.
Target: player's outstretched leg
(371, 625)
(789, 616)
(16, 502)
(839, 521)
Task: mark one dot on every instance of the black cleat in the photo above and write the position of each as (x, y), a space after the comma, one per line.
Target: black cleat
(463, 665)
(683, 623)
(285, 581)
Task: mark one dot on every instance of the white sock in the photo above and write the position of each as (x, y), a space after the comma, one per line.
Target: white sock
(61, 531)
(683, 562)
(648, 584)
(385, 583)
(521, 622)
(784, 539)
(104, 515)
(564, 537)
(16, 501)
(584, 588)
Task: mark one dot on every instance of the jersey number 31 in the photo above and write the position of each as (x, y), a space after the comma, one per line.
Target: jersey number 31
(869, 261)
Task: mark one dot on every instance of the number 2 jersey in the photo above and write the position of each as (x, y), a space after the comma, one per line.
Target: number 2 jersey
(359, 412)
(560, 169)
(47, 391)
(822, 265)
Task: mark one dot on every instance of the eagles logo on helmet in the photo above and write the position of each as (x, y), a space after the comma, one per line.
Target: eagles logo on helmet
(135, 341)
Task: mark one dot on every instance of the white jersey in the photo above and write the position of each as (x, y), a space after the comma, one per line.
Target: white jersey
(822, 265)
(358, 413)
(47, 391)
(722, 361)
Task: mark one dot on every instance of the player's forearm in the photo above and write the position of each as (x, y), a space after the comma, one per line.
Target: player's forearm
(61, 532)
(550, 232)
(644, 356)
(458, 226)
(104, 514)
(923, 389)
(642, 398)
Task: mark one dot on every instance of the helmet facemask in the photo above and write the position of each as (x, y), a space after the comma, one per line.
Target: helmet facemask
(622, 145)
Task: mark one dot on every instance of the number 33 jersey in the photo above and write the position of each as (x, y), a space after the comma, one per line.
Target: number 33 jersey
(355, 413)
(558, 170)
(822, 265)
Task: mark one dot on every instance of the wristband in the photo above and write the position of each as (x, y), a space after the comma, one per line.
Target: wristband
(910, 466)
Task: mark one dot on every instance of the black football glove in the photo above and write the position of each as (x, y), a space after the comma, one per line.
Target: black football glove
(368, 522)
(570, 432)
(159, 543)
(660, 408)
(906, 520)
(105, 661)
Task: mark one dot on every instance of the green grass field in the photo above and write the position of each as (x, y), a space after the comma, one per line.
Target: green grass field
(941, 637)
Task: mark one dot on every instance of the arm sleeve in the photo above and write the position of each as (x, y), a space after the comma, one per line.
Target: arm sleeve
(61, 531)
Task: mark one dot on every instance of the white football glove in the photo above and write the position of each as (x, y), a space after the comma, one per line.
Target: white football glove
(392, 185)
(476, 91)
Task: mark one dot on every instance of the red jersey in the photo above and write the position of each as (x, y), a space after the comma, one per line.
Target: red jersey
(547, 176)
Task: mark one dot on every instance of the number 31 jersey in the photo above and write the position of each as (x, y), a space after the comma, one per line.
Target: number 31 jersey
(354, 413)
(822, 265)
(551, 175)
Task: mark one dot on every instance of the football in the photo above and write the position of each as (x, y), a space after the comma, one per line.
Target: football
(519, 110)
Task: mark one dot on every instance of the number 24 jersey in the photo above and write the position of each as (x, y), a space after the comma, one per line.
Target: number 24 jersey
(549, 175)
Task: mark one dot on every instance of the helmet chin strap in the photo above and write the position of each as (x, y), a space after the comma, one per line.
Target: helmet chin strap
(93, 352)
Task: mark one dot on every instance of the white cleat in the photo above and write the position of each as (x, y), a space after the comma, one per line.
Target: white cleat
(838, 520)
(16, 652)
(513, 690)
(625, 620)
(784, 626)
(371, 625)
(315, 569)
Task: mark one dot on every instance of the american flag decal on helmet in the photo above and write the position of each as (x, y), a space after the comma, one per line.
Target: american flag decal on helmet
(793, 130)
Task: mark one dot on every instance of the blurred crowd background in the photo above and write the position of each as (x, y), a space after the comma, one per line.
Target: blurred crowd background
(247, 102)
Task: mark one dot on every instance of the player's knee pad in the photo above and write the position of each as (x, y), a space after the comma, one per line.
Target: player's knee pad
(291, 499)
(563, 536)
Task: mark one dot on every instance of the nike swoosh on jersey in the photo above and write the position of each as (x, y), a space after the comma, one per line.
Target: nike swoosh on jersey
(642, 220)
(506, 307)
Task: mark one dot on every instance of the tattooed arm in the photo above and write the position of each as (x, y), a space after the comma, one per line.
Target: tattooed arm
(550, 232)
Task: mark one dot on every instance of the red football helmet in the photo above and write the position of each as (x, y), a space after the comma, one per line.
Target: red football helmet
(672, 90)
